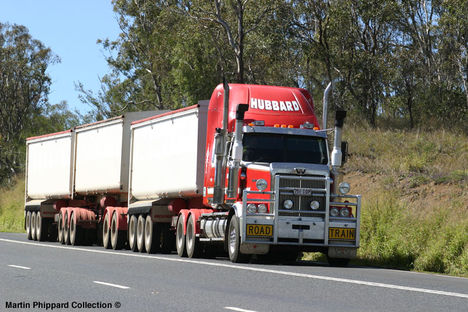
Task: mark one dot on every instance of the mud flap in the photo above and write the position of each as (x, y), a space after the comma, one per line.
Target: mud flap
(257, 249)
(342, 252)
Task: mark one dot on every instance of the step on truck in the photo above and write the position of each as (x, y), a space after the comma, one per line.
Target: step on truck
(249, 172)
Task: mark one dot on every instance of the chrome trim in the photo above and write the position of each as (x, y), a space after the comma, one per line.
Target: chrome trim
(289, 131)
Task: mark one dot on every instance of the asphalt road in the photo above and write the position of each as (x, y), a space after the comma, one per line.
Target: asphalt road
(41, 276)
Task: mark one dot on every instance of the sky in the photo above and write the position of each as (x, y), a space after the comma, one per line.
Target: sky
(70, 28)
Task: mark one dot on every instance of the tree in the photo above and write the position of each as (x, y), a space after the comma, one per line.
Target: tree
(237, 19)
(24, 86)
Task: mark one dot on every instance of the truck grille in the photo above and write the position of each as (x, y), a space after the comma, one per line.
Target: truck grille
(301, 190)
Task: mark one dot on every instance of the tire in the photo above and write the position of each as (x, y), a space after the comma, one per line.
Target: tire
(116, 236)
(152, 236)
(73, 230)
(180, 237)
(234, 242)
(192, 242)
(132, 225)
(106, 233)
(39, 227)
(338, 262)
(27, 223)
(33, 226)
(66, 230)
(140, 237)
(60, 234)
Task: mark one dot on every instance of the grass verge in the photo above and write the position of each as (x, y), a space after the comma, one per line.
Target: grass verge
(12, 206)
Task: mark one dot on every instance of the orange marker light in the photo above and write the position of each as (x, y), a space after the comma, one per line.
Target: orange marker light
(316, 128)
(290, 126)
(283, 126)
(276, 125)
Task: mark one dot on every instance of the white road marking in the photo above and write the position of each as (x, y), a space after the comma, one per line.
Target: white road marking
(238, 309)
(246, 268)
(112, 285)
(19, 267)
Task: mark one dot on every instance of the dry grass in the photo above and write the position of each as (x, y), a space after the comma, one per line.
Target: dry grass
(415, 198)
(12, 206)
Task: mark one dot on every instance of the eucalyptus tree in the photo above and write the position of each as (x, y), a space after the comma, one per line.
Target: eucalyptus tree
(24, 87)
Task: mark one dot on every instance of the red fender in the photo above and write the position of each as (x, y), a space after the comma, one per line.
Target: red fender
(196, 213)
(121, 212)
(185, 213)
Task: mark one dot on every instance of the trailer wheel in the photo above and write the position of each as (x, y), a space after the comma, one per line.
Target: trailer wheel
(117, 241)
(105, 232)
(132, 225)
(180, 237)
(27, 222)
(234, 242)
(141, 233)
(192, 242)
(33, 225)
(66, 230)
(73, 231)
(40, 227)
(152, 235)
(60, 229)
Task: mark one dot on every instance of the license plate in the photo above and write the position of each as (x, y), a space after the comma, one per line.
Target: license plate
(259, 230)
(302, 192)
(342, 233)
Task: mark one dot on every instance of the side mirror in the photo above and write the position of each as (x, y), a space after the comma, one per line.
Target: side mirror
(344, 151)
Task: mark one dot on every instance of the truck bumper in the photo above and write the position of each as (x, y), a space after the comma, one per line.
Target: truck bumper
(306, 232)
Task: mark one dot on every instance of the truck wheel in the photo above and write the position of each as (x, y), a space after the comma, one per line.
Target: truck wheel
(40, 235)
(192, 242)
(180, 237)
(132, 225)
(117, 241)
(105, 232)
(73, 240)
(33, 225)
(27, 222)
(152, 235)
(141, 233)
(234, 242)
(66, 230)
(338, 262)
(60, 229)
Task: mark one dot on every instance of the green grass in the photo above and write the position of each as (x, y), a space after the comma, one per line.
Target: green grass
(415, 198)
(12, 207)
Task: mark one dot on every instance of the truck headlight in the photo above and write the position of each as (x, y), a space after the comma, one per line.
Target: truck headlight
(344, 212)
(344, 188)
(314, 205)
(261, 184)
(251, 208)
(334, 212)
(262, 208)
(288, 204)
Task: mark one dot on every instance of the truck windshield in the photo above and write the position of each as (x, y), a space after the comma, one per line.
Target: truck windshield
(266, 147)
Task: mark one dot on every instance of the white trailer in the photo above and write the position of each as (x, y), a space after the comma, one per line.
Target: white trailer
(102, 155)
(49, 166)
(167, 155)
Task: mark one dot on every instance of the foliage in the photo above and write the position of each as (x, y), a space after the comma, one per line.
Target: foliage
(398, 60)
(24, 87)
